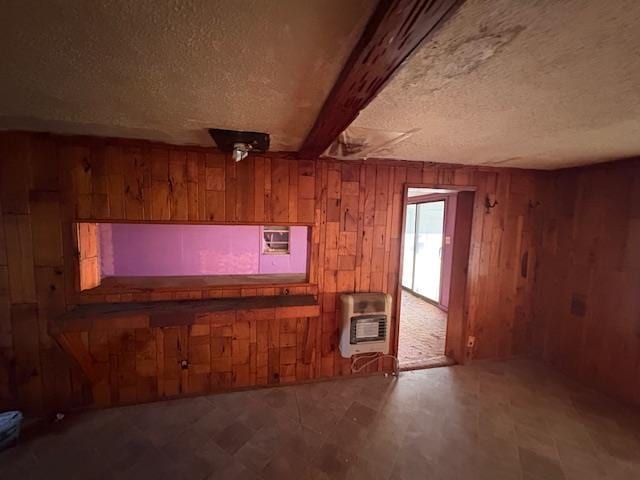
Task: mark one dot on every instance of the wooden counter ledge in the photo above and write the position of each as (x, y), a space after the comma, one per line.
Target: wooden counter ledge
(157, 314)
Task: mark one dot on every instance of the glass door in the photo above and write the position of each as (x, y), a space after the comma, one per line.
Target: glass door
(409, 244)
(422, 262)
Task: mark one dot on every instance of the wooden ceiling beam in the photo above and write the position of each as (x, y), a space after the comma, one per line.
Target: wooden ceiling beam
(394, 31)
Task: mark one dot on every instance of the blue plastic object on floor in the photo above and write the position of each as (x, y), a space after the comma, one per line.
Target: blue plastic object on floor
(9, 428)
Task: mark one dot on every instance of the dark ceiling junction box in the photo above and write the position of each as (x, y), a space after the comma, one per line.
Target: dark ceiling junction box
(226, 139)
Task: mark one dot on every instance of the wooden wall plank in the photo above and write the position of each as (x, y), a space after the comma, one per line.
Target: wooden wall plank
(99, 183)
(178, 188)
(160, 184)
(28, 376)
(215, 187)
(89, 255)
(245, 194)
(279, 190)
(258, 190)
(46, 229)
(45, 167)
(7, 382)
(230, 189)
(195, 186)
(19, 244)
(138, 191)
(115, 170)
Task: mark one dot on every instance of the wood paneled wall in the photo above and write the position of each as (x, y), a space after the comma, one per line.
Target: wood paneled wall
(587, 299)
(355, 209)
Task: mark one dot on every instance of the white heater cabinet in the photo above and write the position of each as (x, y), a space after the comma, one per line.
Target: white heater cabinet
(366, 323)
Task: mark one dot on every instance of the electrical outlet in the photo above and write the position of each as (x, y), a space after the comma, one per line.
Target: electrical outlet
(471, 341)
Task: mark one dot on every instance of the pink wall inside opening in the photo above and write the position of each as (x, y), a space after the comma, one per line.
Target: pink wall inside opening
(131, 250)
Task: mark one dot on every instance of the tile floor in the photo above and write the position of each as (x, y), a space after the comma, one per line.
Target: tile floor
(423, 328)
(489, 420)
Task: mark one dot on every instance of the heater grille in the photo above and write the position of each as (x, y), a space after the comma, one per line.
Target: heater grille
(368, 328)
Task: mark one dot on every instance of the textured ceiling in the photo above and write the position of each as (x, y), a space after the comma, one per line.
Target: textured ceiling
(167, 70)
(539, 84)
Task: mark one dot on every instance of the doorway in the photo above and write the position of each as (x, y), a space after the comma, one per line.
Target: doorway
(426, 276)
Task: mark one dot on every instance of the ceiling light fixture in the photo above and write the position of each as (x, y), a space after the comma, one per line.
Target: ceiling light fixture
(238, 143)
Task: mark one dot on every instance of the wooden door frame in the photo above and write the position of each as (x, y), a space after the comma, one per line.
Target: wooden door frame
(455, 341)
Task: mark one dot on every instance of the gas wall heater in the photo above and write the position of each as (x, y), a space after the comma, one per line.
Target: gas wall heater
(366, 323)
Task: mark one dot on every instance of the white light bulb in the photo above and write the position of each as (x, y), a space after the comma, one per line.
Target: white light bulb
(240, 151)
